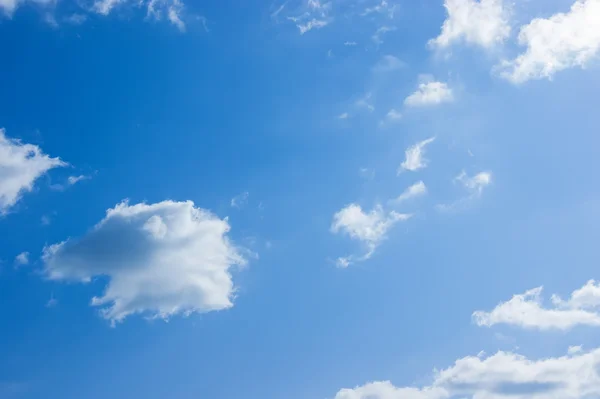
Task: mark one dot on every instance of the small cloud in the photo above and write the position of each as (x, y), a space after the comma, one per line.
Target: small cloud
(415, 156)
(377, 36)
(367, 173)
(76, 179)
(474, 186)
(382, 8)
(365, 103)
(430, 93)
(344, 115)
(45, 220)
(573, 350)
(370, 228)
(239, 201)
(388, 63)
(76, 19)
(52, 302)
(22, 259)
(416, 190)
(278, 11)
(174, 14)
(350, 44)
(312, 24)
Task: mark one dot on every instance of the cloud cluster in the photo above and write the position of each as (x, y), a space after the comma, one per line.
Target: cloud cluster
(20, 166)
(160, 259)
(528, 311)
(564, 40)
(370, 228)
(483, 23)
(501, 376)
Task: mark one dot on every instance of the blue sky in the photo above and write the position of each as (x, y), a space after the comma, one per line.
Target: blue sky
(351, 199)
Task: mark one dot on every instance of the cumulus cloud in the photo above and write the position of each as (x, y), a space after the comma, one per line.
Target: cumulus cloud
(565, 40)
(22, 259)
(483, 23)
(430, 93)
(415, 159)
(416, 190)
(370, 228)
(504, 375)
(528, 311)
(20, 166)
(160, 259)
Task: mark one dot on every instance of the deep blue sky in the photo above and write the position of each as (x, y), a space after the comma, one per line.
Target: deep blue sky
(150, 113)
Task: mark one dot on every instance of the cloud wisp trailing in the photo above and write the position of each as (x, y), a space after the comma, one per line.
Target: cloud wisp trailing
(415, 156)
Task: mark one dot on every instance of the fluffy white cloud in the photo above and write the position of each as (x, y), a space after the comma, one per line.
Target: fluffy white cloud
(160, 259)
(483, 23)
(430, 93)
(20, 166)
(564, 40)
(528, 311)
(22, 259)
(370, 228)
(415, 159)
(501, 376)
(416, 190)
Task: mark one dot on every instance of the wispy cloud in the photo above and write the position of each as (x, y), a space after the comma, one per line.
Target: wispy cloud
(474, 186)
(240, 200)
(388, 63)
(22, 259)
(416, 190)
(383, 7)
(378, 35)
(370, 228)
(414, 156)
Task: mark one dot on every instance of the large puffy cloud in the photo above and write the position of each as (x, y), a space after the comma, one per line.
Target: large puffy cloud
(565, 40)
(528, 311)
(160, 259)
(501, 376)
(20, 166)
(370, 228)
(479, 22)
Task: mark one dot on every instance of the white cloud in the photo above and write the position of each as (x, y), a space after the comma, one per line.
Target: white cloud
(316, 16)
(393, 115)
(8, 7)
(20, 166)
(174, 14)
(22, 259)
(76, 179)
(416, 190)
(474, 186)
(573, 350)
(382, 8)
(370, 228)
(388, 63)
(415, 156)
(239, 201)
(350, 44)
(377, 36)
(365, 102)
(565, 40)
(528, 311)
(483, 23)
(430, 93)
(367, 173)
(161, 259)
(504, 375)
(343, 115)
